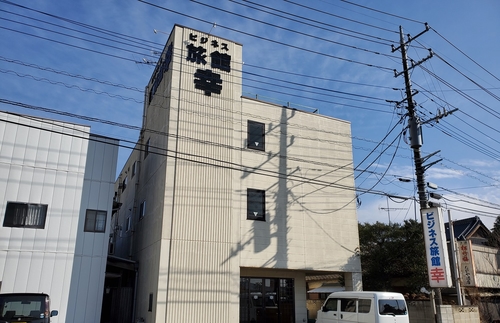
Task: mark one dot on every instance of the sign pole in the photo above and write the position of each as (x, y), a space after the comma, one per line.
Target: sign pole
(454, 258)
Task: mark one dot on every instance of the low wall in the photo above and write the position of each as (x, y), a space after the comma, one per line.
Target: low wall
(421, 312)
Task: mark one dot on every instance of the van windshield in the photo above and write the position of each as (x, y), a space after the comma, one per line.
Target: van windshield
(17, 307)
(392, 307)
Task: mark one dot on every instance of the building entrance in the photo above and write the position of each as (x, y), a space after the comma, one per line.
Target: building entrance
(267, 300)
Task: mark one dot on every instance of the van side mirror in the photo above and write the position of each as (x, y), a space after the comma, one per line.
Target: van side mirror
(324, 309)
(54, 313)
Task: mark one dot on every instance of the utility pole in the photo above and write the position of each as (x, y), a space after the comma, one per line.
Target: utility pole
(388, 209)
(413, 121)
(415, 131)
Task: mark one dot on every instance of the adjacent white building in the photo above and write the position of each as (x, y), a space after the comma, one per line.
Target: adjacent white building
(228, 203)
(56, 195)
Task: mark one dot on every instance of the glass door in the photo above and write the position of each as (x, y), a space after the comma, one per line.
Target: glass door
(266, 300)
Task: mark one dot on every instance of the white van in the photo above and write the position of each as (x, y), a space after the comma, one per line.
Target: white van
(369, 307)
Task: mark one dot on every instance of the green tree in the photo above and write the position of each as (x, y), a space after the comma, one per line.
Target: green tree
(494, 239)
(393, 252)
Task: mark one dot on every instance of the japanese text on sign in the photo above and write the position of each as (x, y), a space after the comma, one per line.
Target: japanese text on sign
(466, 266)
(197, 52)
(160, 71)
(436, 252)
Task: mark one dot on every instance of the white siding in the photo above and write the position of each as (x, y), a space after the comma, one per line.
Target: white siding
(40, 166)
(195, 240)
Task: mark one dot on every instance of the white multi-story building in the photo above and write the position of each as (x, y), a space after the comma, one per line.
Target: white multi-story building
(56, 196)
(228, 203)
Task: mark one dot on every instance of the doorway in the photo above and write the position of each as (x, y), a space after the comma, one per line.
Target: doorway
(267, 300)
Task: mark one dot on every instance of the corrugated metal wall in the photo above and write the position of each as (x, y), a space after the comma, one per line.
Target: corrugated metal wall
(202, 217)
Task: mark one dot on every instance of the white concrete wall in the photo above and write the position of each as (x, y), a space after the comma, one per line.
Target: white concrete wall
(311, 220)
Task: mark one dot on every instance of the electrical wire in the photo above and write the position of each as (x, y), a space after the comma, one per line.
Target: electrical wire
(3, 1)
(302, 17)
(273, 40)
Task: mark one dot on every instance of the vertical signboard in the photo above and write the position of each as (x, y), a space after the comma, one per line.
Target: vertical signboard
(438, 266)
(466, 264)
(203, 49)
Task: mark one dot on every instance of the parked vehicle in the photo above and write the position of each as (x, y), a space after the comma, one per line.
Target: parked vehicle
(366, 307)
(25, 307)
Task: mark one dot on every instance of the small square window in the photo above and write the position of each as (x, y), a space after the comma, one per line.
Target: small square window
(256, 204)
(127, 228)
(146, 148)
(25, 215)
(256, 135)
(134, 168)
(142, 209)
(124, 183)
(95, 221)
(150, 303)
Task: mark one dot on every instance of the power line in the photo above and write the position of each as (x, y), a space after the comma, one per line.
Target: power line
(341, 17)
(302, 17)
(380, 11)
(74, 22)
(470, 58)
(209, 161)
(272, 40)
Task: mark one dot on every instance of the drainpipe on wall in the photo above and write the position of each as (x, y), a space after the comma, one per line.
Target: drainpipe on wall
(136, 267)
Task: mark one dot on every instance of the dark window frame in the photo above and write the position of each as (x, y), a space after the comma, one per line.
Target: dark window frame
(147, 147)
(142, 209)
(256, 135)
(21, 215)
(128, 224)
(134, 169)
(124, 183)
(94, 225)
(255, 196)
(150, 302)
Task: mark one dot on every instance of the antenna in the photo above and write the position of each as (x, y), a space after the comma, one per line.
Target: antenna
(213, 27)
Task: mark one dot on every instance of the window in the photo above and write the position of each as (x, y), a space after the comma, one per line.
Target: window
(347, 305)
(255, 135)
(95, 221)
(256, 204)
(392, 307)
(25, 215)
(331, 305)
(142, 209)
(146, 149)
(134, 168)
(127, 227)
(364, 305)
(150, 305)
(124, 183)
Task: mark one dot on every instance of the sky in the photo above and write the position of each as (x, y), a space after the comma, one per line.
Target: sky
(88, 62)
